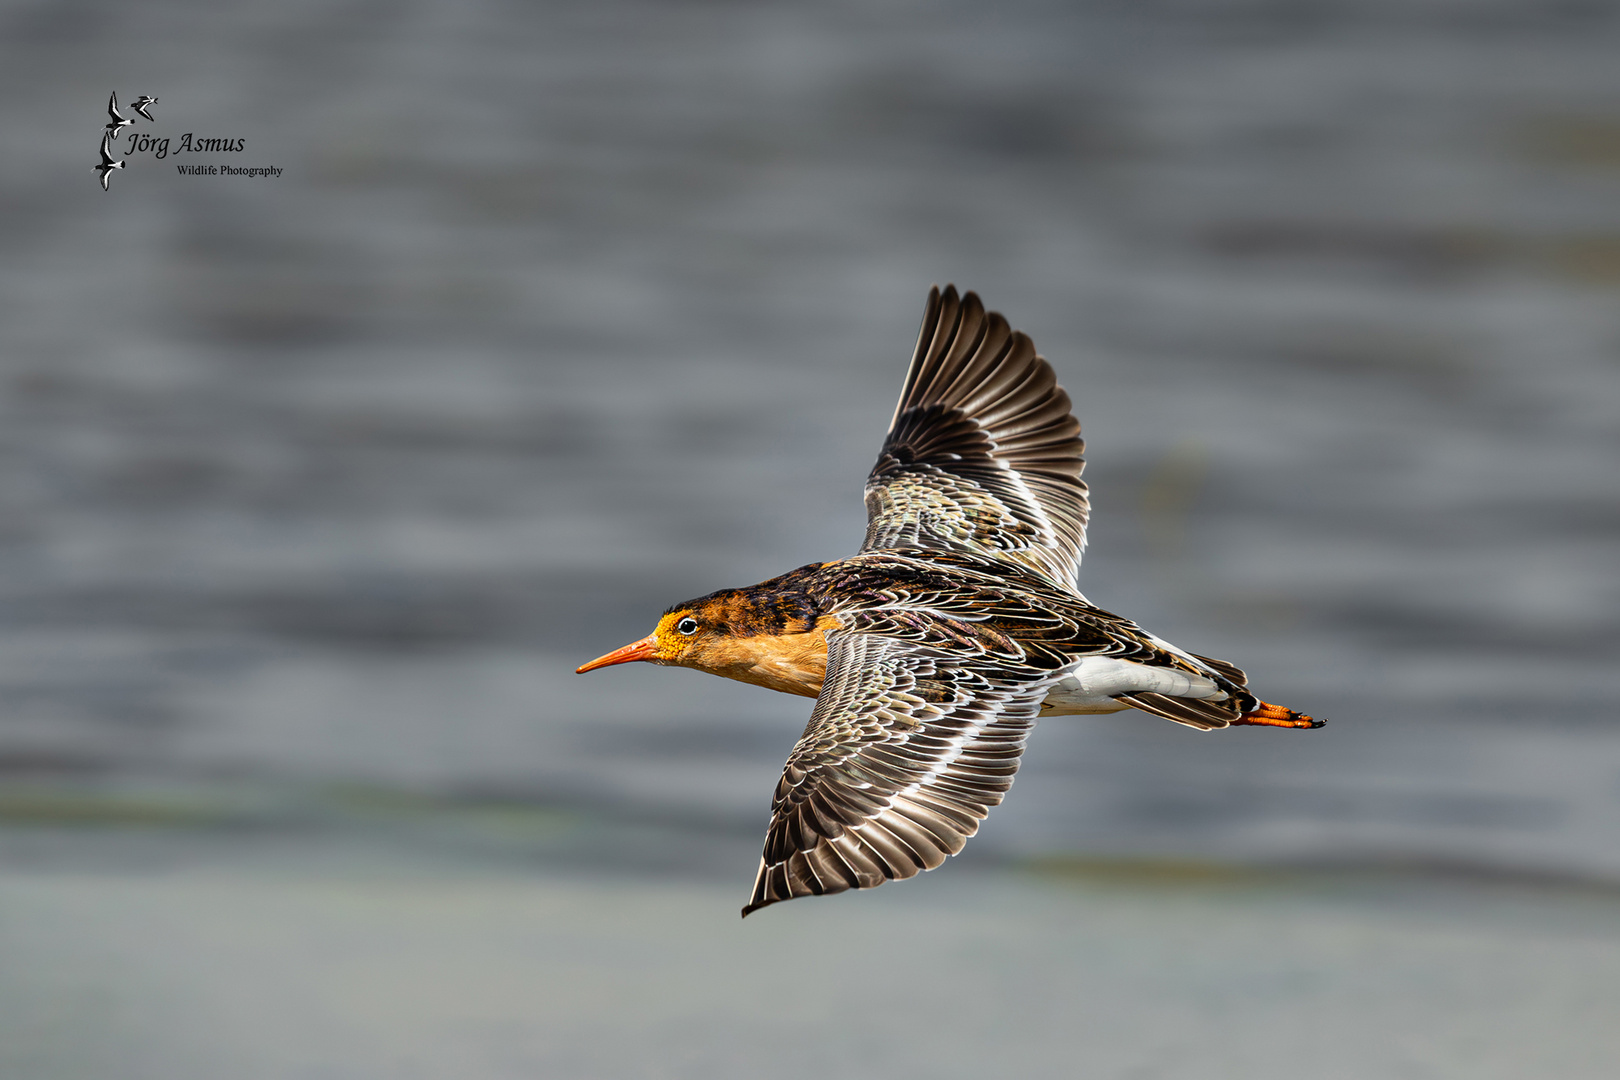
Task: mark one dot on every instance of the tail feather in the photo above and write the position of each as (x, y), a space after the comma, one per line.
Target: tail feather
(1237, 708)
(1205, 714)
(1227, 671)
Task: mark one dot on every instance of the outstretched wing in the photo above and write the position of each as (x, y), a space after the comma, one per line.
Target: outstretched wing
(911, 742)
(983, 454)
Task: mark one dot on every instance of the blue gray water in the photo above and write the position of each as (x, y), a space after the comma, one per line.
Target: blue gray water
(317, 487)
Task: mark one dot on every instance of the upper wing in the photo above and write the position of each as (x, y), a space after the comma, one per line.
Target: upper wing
(983, 454)
(911, 742)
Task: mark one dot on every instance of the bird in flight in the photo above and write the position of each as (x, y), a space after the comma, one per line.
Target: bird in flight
(932, 651)
(142, 104)
(118, 121)
(108, 162)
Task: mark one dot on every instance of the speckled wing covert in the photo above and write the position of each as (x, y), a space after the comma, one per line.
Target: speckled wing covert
(911, 742)
(983, 454)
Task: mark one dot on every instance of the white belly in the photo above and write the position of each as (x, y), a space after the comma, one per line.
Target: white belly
(1090, 686)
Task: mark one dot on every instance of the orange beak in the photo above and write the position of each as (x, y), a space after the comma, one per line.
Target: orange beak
(644, 649)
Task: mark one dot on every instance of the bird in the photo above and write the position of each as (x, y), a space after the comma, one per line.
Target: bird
(932, 651)
(118, 121)
(108, 162)
(141, 105)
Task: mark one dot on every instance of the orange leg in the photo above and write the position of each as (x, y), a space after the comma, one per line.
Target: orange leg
(1276, 716)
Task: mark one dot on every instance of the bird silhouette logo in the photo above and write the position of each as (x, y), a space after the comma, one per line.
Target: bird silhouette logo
(108, 162)
(118, 122)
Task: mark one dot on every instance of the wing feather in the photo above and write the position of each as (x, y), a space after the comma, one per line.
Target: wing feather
(910, 744)
(983, 454)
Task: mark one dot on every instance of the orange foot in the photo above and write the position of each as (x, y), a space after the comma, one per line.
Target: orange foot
(1276, 716)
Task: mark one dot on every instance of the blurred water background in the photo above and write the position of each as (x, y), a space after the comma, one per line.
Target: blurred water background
(316, 488)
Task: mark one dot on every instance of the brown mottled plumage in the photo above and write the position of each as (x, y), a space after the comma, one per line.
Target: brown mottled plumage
(932, 651)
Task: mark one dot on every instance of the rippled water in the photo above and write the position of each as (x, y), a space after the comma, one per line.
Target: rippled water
(557, 317)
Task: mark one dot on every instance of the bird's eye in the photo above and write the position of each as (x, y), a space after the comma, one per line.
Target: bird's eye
(687, 625)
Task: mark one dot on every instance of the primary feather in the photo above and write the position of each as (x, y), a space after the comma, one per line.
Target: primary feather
(983, 454)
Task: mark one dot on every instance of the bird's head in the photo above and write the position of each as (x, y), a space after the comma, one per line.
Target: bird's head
(679, 638)
(713, 633)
